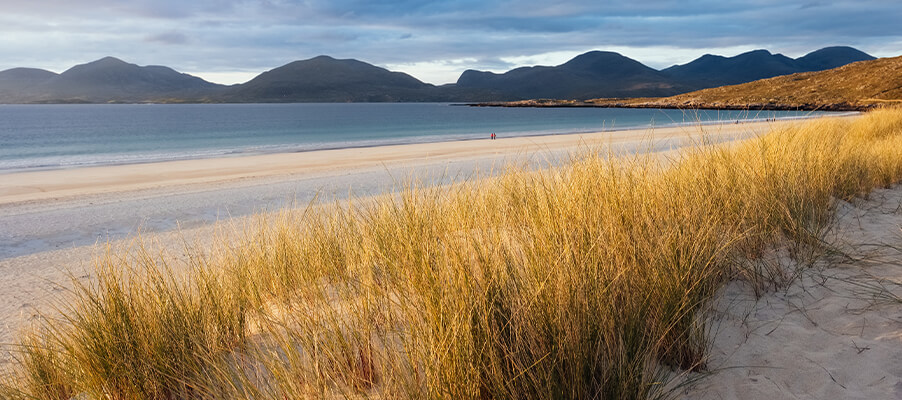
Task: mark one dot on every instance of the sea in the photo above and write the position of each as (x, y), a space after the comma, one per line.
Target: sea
(37, 137)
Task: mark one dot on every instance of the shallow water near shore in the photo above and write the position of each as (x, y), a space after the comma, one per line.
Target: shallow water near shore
(34, 137)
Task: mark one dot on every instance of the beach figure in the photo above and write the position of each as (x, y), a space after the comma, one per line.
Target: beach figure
(493, 136)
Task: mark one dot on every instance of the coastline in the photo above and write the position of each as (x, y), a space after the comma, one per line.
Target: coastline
(755, 351)
(254, 134)
(47, 184)
(56, 221)
(661, 103)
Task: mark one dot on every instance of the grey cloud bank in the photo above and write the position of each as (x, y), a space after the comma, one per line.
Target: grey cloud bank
(229, 41)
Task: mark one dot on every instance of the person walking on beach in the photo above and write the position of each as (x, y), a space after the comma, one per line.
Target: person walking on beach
(493, 136)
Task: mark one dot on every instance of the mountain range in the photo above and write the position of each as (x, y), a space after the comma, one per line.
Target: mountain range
(325, 79)
(712, 71)
(106, 80)
(856, 86)
(583, 76)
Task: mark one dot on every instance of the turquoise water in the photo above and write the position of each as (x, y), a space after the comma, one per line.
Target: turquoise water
(67, 136)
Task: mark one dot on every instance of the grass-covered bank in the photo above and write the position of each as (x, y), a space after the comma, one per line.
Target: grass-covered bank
(584, 281)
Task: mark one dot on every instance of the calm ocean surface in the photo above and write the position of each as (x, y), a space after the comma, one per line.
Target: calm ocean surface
(65, 136)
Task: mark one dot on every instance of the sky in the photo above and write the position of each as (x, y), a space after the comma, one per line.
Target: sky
(231, 41)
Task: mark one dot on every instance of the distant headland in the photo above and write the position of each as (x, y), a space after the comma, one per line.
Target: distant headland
(857, 86)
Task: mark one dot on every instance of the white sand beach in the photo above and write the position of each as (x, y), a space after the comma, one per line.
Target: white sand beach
(56, 184)
(827, 335)
(47, 210)
(834, 333)
(51, 221)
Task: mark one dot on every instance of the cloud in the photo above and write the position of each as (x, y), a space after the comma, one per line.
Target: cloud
(450, 36)
(168, 38)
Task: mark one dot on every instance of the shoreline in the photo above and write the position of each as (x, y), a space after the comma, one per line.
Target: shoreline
(49, 219)
(754, 341)
(55, 183)
(55, 218)
(227, 153)
(658, 103)
(52, 210)
(851, 344)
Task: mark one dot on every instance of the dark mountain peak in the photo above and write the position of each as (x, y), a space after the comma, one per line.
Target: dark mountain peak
(602, 61)
(111, 79)
(839, 51)
(321, 63)
(27, 74)
(111, 70)
(111, 67)
(595, 56)
(710, 70)
(831, 57)
(323, 58)
(329, 60)
(109, 60)
(588, 75)
(324, 78)
(755, 53)
(17, 84)
(322, 70)
(317, 61)
(761, 55)
(704, 59)
(474, 78)
(475, 71)
(104, 64)
(764, 56)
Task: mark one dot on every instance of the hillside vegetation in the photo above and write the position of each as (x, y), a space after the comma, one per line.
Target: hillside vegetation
(585, 281)
(855, 86)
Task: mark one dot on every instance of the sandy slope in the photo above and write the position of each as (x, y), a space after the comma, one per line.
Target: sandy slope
(834, 333)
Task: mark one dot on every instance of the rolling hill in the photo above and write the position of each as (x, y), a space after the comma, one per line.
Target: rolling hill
(324, 78)
(831, 57)
(106, 80)
(16, 84)
(711, 71)
(855, 86)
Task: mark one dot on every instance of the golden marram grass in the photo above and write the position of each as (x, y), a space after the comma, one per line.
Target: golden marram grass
(587, 280)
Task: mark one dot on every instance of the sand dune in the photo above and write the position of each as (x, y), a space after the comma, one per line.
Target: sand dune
(834, 333)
